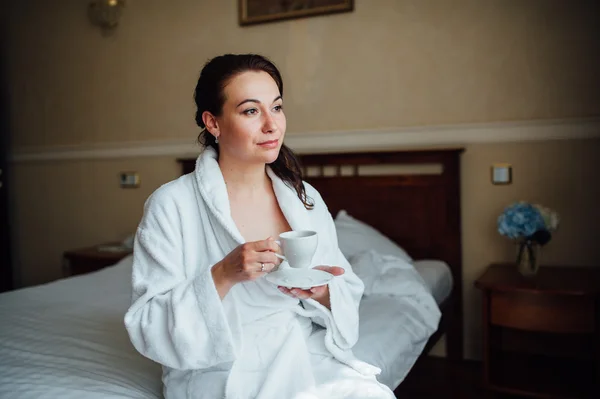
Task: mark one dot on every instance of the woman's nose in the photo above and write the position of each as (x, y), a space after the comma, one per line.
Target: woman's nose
(269, 124)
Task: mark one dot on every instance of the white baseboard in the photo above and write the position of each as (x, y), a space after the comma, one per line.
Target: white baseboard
(344, 141)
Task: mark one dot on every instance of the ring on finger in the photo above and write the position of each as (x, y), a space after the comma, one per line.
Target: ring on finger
(262, 267)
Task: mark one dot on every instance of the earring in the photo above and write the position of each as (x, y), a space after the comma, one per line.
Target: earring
(217, 140)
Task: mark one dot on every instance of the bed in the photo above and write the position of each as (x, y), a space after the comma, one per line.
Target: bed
(66, 339)
(413, 198)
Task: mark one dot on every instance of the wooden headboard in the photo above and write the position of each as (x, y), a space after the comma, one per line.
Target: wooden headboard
(416, 203)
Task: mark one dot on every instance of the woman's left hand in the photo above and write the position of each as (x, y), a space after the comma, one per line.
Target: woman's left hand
(320, 293)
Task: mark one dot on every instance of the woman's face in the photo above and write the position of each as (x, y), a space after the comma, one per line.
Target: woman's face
(252, 125)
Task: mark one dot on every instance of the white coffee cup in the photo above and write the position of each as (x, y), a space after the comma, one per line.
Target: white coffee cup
(298, 247)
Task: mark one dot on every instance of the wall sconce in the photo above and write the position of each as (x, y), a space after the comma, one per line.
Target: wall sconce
(106, 13)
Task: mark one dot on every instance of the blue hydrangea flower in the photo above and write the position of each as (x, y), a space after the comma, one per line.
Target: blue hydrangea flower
(520, 220)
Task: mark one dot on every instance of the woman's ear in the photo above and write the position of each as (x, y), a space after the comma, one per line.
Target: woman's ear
(211, 123)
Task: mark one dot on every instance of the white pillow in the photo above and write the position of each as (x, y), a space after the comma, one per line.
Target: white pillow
(355, 236)
(387, 274)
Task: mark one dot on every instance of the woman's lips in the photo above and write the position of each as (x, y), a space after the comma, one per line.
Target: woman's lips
(269, 144)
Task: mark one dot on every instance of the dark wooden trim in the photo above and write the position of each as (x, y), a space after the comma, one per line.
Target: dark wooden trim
(245, 20)
(441, 378)
(597, 348)
(454, 336)
(6, 260)
(90, 259)
(486, 338)
(554, 280)
(187, 165)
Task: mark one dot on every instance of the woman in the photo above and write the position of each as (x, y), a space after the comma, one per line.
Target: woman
(201, 305)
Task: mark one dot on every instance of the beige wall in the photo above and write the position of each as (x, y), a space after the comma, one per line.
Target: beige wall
(390, 63)
(76, 204)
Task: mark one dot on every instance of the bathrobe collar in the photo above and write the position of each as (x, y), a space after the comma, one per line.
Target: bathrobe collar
(212, 189)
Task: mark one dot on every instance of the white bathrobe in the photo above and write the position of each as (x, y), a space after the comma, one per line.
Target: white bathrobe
(257, 342)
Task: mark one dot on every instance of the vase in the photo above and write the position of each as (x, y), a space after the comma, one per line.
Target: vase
(528, 258)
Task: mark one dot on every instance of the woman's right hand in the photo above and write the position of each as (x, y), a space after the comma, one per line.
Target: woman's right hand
(245, 263)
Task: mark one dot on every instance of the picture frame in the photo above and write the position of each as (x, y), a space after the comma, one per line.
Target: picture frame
(261, 11)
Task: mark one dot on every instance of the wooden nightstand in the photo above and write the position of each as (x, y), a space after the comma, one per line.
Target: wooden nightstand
(86, 260)
(541, 335)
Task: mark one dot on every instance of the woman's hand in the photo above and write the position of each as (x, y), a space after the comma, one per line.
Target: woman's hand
(245, 263)
(320, 293)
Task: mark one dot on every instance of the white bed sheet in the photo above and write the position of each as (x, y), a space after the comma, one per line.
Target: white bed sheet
(383, 338)
(384, 341)
(67, 340)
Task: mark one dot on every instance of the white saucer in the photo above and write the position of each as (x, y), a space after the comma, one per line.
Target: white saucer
(299, 278)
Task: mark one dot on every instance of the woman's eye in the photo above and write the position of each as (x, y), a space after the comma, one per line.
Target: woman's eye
(251, 111)
(278, 108)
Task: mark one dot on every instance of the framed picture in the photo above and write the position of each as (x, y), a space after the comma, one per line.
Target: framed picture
(259, 11)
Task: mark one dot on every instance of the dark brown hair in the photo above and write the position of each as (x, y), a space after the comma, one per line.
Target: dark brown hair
(209, 96)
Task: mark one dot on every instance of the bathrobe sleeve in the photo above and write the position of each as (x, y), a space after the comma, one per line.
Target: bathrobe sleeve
(345, 291)
(175, 319)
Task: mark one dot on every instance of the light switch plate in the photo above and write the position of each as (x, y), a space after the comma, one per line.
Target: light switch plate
(129, 179)
(501, 173)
